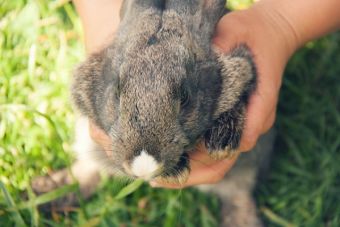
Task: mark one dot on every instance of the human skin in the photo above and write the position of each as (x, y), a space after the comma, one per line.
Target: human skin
(272, 29)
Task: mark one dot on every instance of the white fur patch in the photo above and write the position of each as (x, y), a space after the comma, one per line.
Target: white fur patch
(83, 144)
(144, 165)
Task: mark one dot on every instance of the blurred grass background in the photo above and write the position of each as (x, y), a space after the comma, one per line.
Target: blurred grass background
(40, 44)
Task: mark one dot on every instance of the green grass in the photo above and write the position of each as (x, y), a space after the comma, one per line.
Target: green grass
(40, 44)
(304, 184)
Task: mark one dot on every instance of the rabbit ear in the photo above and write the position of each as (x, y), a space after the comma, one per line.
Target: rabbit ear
(85, 80)
(133, 9)
(94, 88)
(238, 74)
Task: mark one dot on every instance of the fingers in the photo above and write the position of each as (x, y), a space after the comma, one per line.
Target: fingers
(260, 117)
(212, 173)
(99, 136)
(201, 174)
(204, 170)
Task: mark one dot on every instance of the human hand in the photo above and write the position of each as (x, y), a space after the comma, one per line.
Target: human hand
(271, 41)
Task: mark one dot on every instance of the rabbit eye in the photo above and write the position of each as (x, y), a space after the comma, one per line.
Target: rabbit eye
(184, 98)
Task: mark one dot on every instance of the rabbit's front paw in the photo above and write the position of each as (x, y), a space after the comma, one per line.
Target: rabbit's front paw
(223, 138)
(177, 174)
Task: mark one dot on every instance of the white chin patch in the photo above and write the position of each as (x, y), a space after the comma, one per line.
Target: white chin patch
(144, 165)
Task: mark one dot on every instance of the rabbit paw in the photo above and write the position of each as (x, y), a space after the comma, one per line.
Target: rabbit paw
(223, 138)
(177, 174)
(175, 177)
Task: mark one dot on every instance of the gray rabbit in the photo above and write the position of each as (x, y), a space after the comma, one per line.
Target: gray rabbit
(157, 90)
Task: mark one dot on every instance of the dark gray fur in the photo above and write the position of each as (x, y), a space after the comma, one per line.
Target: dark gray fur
(160, 86)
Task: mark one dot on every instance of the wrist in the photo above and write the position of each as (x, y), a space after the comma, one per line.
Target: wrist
(301, 21)
(278, 30)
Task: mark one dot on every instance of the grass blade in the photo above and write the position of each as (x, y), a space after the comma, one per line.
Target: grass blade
(49, 196)
(13, 208)
(127, 190)
(275, 218)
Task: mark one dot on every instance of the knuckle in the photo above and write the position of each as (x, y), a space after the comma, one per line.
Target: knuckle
(249, 141)
(96, 136)
(216, 178)
(269, 123)
(94, 133)
(250, 138)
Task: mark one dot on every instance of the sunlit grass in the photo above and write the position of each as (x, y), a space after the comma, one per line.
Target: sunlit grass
(40, 44)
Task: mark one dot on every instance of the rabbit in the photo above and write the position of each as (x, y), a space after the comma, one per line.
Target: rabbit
(158, 90)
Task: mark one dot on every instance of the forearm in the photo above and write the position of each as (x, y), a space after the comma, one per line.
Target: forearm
(100, 19)
(304, 20)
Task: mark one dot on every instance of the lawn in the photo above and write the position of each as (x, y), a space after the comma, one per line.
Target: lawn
(40, 44)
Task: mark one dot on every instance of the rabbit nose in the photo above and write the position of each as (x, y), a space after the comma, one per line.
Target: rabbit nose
(143, 166)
